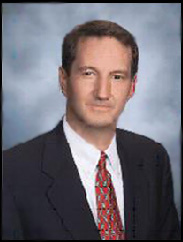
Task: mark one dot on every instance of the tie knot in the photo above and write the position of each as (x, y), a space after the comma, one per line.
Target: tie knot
(102, 161)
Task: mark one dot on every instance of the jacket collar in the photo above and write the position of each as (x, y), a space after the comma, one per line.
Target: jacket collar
(136, 185)
(65, 192)
(67, 195)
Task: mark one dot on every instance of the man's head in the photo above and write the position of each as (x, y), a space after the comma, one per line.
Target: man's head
(97, 28)
(99, 66)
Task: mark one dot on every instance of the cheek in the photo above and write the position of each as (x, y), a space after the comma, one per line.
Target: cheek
(78, 91)
(121, 95)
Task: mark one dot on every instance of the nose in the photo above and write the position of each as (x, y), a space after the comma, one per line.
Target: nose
(102, 89)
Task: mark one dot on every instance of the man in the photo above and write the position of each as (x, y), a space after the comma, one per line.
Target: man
(86, 179)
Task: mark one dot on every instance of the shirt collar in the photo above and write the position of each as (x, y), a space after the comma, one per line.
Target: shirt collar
(85, 151)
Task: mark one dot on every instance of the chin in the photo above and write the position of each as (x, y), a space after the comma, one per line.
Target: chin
(100, 122)
(97, 119)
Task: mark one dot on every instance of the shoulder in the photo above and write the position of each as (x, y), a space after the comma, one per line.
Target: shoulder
(132, 137)
(22, 164)
(25, 156)
(146, 154)
(35, 144)
(141, 145)
(29, 147)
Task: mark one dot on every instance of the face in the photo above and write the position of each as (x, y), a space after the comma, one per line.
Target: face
(100, 82)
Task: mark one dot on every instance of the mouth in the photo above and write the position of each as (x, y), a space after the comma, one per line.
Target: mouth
(100, 107)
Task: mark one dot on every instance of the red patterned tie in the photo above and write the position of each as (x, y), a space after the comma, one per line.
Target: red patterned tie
(109, 221)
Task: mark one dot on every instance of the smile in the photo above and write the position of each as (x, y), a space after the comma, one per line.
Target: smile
(99, 107)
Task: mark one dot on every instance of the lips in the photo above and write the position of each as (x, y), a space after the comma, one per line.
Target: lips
(100, 107)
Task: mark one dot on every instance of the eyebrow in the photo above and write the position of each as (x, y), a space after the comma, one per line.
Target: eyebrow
(120, 71)
(83, 68)
(124, 72)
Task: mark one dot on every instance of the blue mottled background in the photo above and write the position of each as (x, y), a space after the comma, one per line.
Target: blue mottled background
(32, 101)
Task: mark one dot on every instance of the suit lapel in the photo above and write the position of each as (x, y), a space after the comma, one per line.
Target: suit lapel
(128, 188)
(135, 189)
(66, 193)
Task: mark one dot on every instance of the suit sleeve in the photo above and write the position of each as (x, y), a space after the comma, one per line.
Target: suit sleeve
(11, 226)
(169, 224)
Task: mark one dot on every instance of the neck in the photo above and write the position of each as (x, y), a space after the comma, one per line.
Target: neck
(100, 137)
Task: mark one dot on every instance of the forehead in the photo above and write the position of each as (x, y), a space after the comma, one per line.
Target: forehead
(103, 51)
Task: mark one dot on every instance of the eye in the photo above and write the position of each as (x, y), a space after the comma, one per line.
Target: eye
(88, 73)
(118, 77)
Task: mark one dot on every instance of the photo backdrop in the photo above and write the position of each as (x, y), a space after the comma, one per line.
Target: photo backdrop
(32, 100)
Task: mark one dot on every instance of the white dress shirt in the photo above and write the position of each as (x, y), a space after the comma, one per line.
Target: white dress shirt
(86, 158)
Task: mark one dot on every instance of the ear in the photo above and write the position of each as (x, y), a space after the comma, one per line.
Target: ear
(63, 80)
(132, 90)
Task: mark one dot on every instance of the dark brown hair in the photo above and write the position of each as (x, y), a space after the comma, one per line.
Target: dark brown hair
(97, 28)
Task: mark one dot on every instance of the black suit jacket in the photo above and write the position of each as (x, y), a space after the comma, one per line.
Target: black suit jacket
(43, 197)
